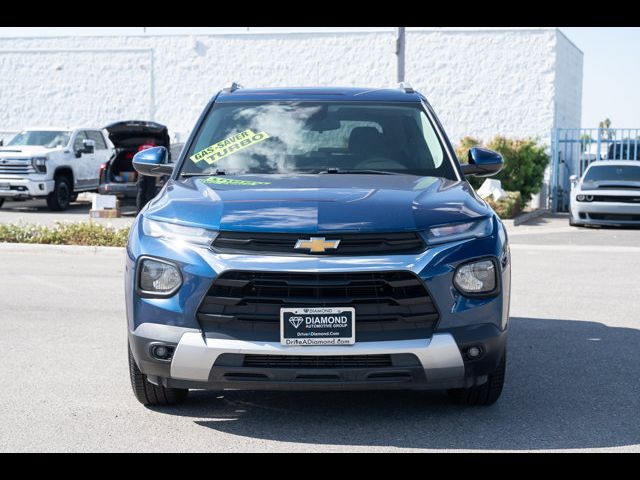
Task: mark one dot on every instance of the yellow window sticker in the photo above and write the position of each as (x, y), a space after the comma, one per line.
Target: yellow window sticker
(231, 181)
(228, 146)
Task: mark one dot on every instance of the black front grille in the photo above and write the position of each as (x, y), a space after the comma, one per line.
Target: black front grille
(317, 361)
(249, 303)
(616, 198)
(615, 217)
(350, 244)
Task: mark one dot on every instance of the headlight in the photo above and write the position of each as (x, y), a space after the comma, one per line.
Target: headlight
(460, 231)
(158, 277)
(40, 164)
(172, 231)
(476, 277)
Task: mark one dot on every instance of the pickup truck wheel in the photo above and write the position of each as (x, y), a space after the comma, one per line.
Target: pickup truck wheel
(60, 198)
(74, 197)
(1, 202)
(153, 395)
(485, 394)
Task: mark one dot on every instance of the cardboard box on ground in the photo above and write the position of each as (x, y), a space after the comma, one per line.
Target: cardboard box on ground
(105, 206)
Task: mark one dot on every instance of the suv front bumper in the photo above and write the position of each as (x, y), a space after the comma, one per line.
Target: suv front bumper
(439, 361)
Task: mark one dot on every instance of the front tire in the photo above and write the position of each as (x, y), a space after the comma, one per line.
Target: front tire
(1, 202)
(485, 394)
(59, 199)
(153, 395)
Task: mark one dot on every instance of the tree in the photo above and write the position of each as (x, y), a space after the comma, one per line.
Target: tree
(605, 129)
(524, 163)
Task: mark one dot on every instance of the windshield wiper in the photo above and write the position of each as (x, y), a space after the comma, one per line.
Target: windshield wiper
(200, 174)
(335, 171)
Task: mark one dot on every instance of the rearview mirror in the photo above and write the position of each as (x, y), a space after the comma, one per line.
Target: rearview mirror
(482, 162)
(573, 178)
(152, 162)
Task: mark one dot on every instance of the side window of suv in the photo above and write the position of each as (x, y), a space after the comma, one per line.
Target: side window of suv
(98, 138)
(77, 143)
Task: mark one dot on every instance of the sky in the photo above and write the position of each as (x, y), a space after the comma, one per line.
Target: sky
(610, 76)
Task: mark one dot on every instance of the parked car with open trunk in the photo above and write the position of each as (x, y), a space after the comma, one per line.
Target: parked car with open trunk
(117, 176)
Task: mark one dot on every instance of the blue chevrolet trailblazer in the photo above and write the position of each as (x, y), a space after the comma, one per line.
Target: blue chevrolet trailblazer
(317, 238)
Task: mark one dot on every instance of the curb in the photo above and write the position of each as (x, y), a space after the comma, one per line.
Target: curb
(65, 249)
(525, 217)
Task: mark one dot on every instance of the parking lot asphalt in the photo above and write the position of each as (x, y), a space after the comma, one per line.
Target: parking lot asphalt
(572, 375)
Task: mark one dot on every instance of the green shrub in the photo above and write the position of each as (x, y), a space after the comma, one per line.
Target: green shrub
(509, 207)
(93, 234)
(524, 163)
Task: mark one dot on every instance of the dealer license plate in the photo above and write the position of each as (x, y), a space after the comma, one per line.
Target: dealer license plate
(5, 186)
(317, 326)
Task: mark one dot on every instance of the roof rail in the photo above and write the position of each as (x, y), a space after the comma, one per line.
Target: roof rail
(406, 87)
(234, 86)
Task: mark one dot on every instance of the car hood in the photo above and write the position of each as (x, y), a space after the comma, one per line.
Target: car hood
(21, 151)
(317, 203)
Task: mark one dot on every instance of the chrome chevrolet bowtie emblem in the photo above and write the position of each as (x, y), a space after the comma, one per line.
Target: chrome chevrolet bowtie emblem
(317, 244)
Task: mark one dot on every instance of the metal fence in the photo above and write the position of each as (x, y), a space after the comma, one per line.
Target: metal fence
(573, 149)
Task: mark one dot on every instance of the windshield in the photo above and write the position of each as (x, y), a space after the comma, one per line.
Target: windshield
(45, 138)
(613, 172)
(305, 137)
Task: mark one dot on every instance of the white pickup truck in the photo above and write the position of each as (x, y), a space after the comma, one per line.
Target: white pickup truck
(53, 163)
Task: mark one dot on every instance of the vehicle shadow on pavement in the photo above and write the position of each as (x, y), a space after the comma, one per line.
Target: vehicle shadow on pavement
(40, 206)
(570, 384)
(127, 208)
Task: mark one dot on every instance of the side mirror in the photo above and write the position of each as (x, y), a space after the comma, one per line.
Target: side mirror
(88, 146)
(573, 178)
(482, 162)
(152, 162)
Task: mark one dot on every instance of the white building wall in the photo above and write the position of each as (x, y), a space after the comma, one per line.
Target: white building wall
(486, 83)
(568, 85)
(481, 82)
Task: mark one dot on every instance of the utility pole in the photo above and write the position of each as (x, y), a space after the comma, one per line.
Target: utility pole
(400, 53)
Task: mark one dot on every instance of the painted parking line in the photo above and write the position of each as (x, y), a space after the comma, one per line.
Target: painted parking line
(516, 231)
(575, 248)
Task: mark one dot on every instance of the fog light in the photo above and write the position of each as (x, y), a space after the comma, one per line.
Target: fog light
(162, 352)
(474, 352)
